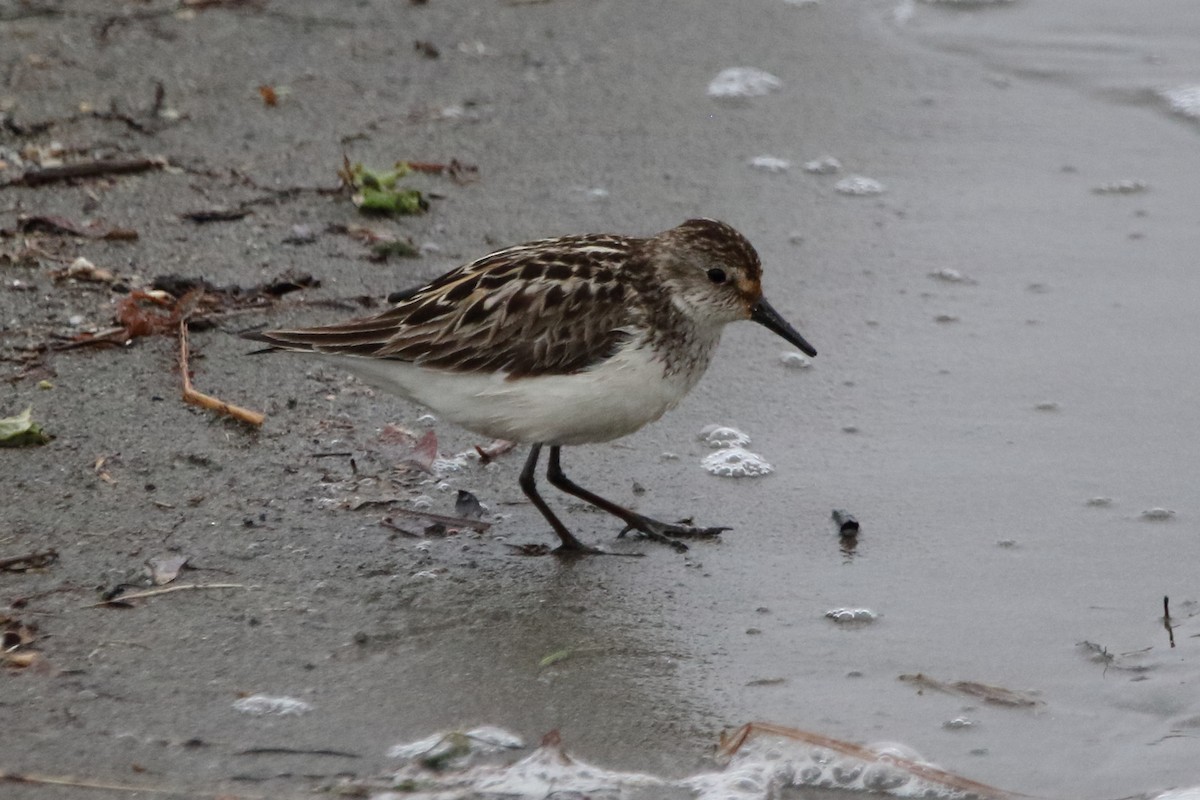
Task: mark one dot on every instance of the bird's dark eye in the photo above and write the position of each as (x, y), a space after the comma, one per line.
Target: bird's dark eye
(716, 275)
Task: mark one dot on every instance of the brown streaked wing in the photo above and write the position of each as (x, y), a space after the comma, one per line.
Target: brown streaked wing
(555, 306)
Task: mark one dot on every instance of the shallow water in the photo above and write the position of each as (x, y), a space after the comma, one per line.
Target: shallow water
(1064, 369)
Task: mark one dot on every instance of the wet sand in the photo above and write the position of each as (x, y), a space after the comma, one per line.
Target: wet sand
(979, 550)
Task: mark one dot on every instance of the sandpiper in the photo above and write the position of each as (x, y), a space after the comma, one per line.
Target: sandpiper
(560, 342)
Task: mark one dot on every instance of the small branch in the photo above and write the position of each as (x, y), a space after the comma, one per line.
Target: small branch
(193, 397)
(87, 169)
(166, 590)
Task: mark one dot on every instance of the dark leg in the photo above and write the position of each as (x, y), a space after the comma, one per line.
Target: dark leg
(529, 486)
(651, 528)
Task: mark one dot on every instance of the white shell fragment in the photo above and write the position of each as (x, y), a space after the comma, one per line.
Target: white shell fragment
(743, 82)
(734, 462)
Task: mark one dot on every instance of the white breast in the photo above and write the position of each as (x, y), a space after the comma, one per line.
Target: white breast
(610, 400)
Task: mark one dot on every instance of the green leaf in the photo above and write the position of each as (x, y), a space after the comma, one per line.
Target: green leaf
(390, 201)
(22, 431)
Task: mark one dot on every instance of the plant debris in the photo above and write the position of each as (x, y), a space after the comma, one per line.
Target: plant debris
(22, 431)
(84, 271)
(122, 600)
(383, 245)
(61, 226)
(423, 454)
(269, 95)
(23, 563)
(555, 657)
(87, 169)
(376, 191)
(164, 569)
(216, 215)
(918, 778)
(982, 691)
(16, 638)
(193, 397)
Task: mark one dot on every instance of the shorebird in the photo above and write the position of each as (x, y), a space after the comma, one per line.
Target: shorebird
(560, 342)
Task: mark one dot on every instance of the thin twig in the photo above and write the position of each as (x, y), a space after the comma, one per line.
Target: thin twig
(87, 169)
(190, 395)
(165, 590)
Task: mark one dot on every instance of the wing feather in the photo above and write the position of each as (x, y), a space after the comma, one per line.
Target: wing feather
(549, 307)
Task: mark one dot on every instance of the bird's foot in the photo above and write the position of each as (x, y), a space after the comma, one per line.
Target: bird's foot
(669, 533)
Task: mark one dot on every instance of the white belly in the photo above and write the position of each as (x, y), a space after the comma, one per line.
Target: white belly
(611, 400)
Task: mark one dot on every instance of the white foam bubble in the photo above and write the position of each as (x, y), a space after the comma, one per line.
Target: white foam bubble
(1183, 100)
(1124, 186)
(723, 436)
(770, 164)
(735, 462)
(859, 186)
(484, 739)
(743, 82)
(795, 360)
(825, 165)
(844, 616)
(763, 761)
(950, 275)
(261, 704)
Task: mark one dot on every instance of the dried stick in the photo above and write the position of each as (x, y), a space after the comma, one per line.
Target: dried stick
(167, 590)
(87, 169)
(190, 395)
(38, 779)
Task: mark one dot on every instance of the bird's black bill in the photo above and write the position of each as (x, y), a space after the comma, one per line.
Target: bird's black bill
(769, 318)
